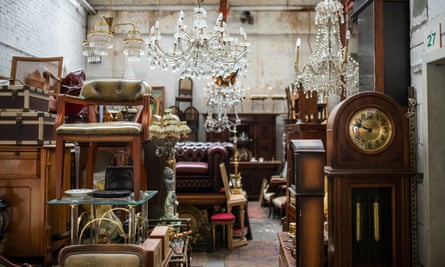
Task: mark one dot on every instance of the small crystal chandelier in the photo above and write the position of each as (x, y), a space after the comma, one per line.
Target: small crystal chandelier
(222, 95)
(100, 40)
(199, 53)
(330, 70)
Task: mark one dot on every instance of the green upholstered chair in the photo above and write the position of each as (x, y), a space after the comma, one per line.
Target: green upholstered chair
(147, 254)
(109, 92)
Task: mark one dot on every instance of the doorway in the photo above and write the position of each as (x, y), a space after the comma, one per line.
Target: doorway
(432, 127)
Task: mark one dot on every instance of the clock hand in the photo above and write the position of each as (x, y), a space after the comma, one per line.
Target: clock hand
(367, 128)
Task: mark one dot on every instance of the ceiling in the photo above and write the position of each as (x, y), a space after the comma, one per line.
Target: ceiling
(234, 4)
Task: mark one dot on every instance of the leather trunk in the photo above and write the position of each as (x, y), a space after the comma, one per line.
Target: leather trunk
(23, 98)
(26, 127)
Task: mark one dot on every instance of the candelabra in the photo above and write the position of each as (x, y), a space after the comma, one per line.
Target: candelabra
(330, 70)
(199, 53)
(235, 177)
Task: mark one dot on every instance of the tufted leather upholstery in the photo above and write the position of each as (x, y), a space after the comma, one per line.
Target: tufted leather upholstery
(115, 90)
(197, 166)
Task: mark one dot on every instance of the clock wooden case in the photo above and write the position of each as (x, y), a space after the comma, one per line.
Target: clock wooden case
(369, 176)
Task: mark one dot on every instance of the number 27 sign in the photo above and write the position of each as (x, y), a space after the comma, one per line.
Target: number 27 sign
(433, 39)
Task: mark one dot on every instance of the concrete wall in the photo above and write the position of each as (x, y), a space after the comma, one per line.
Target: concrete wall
(272, 38)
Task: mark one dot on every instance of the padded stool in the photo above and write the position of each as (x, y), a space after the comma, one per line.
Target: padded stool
(225, 220)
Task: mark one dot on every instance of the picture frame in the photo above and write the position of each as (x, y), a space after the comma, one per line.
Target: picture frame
(159, 92)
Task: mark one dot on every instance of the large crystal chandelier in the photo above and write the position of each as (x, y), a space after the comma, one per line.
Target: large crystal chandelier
(199, 53)
(330, 70)
(100, 40)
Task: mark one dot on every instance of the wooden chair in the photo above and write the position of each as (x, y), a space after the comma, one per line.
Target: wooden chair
(234, 200)
(185, 91)
(273, 188)
(105, 92)
(39, 72)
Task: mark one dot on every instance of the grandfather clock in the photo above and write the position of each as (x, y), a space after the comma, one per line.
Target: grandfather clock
(369, 174)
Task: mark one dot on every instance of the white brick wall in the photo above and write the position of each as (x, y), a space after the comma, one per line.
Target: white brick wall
(41, 28)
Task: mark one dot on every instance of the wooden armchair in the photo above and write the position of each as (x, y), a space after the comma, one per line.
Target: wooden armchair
(105, 92)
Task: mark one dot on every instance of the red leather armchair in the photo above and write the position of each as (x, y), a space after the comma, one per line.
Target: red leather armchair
(197, 166)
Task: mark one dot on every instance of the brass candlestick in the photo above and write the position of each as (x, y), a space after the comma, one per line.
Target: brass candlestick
(236, 176)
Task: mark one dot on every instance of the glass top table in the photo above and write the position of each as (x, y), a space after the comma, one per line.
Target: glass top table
(75, 200)
(89, 199)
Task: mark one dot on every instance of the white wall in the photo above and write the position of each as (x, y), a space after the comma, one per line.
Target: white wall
(41, 28)
(430, 216)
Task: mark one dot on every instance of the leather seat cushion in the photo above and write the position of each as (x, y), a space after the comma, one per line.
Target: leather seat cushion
(103, 259)
(107, 128)
(222, 217)
(192, 167)
(279, 202)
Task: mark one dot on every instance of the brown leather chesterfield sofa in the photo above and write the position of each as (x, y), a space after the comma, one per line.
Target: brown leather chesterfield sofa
(197, 166)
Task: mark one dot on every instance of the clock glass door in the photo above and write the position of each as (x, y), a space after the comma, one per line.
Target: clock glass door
(371, 226)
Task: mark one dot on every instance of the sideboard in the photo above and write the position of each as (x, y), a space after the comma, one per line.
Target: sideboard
(27, 182)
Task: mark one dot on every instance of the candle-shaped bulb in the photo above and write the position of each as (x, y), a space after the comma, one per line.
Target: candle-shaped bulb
(298, 43)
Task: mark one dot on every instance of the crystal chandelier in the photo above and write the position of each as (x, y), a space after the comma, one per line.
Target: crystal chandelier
(199, 53)
(222, 95)
(330, 70)
(100, 40)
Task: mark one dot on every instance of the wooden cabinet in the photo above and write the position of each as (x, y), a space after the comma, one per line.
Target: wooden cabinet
(297, 132)
(285, 258)
(256, 138)
(27, 183)
(307, 183)
(384, 47)
(256, 135)
(253, 173)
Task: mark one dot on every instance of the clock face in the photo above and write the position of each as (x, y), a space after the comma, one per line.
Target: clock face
(370, 129)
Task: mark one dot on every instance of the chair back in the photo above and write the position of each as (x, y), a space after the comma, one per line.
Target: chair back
(39, 72)
(115, 90)
(185, 87)
(225, 179)
(99, 255)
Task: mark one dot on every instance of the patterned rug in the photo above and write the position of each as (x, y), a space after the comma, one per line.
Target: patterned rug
(258, 253)
(255, 211)
(262, 251)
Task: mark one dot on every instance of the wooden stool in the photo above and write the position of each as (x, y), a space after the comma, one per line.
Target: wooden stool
(225, 220)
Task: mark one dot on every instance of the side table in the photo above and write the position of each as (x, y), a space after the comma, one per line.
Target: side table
(130, 202)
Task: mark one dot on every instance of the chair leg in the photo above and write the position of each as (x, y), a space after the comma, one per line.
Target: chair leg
(60, 158)
(230, 236)
(91, 162)
(137, 166)
(213, 236)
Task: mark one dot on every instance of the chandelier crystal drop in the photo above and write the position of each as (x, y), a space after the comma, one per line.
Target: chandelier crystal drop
(199, 53)
(223, 95)
(329, 70)
(134, 46)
